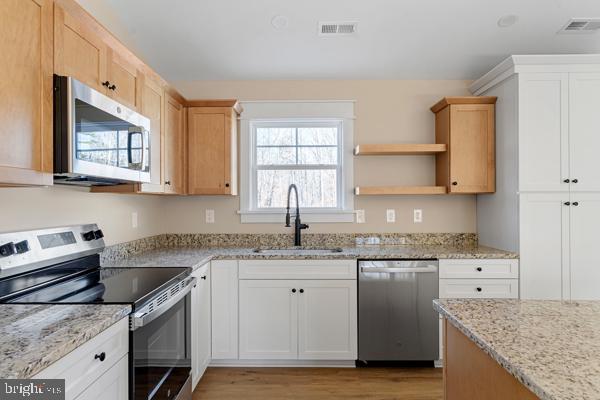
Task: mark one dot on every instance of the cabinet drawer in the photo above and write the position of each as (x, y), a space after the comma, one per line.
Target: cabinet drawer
(80, 369)
(298, 269)
(479, 288)
(479, 269)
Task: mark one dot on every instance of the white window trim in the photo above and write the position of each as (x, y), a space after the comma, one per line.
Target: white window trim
(262, 111)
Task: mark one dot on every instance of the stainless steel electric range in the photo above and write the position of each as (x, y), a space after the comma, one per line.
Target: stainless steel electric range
(62, 266)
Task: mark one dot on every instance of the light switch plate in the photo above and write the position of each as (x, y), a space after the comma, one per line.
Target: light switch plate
(390, 215)
(417, 216)
(360, 216)
(210, 216)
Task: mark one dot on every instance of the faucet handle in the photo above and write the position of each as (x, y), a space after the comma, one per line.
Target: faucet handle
(303, 226)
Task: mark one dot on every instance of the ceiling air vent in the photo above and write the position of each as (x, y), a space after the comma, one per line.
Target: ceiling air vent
(337, 28)
(581, 25)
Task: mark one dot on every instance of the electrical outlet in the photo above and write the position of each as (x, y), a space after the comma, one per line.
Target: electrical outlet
(390, 215)
(210, 216)
(360, 216)
(134, 219)
(417, 216)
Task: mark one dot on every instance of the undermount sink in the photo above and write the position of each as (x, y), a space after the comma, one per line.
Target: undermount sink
(303, 250)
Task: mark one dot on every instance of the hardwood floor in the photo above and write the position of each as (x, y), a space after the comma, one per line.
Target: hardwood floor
(321, 383)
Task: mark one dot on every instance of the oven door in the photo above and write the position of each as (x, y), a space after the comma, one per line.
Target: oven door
(105, 138)
(160, 355)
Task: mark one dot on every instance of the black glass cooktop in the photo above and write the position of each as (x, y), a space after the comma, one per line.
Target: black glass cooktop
(83, 283)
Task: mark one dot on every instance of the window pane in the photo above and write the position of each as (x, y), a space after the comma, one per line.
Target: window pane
(317, 155)
(275, 136)
(316, 188)
(275, 155)
(318, 136)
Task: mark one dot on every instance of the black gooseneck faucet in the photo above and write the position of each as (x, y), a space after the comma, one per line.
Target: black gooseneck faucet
(298, 225)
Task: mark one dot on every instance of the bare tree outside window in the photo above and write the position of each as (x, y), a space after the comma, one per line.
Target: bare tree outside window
(305, 153)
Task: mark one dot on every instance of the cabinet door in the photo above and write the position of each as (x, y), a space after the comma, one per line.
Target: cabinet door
(269, 319)
(201, 338)
(544, 246)
(543, 132)
(124, 81)
(78, 52)
(26, 101)
(584, 136)
(327, 321)
(174, 146)
(224, 309)
(585, 258)
(152, 107)
(472, 164)
(113, 384)
(211, 147)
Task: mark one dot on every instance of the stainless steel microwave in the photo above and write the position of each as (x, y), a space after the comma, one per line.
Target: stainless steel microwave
(97, 141)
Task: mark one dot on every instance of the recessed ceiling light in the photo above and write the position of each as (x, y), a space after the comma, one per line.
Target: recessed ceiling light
(280, 22)
(508, 20)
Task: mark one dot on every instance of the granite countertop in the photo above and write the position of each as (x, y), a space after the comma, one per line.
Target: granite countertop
(551, 347)
(32, 337)
(196, 257)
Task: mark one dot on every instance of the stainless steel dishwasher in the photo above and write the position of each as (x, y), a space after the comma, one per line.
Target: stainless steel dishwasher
(396, 320)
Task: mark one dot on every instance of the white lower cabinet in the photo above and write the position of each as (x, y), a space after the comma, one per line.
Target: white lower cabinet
(268, 319)
(477, 279)
(327, 320)
(201, 321)
(559, 246)
(298, 319)
(113, 384)
(98, 369)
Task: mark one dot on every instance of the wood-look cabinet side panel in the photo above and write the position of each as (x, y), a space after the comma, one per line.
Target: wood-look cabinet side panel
(152, 106)
(26, 105)
(469, 373)
(442, 136)
(174, 145)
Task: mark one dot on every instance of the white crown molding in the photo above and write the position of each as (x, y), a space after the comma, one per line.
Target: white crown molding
(535, 63)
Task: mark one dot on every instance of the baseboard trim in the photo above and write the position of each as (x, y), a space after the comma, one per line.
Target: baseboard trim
(284, 363)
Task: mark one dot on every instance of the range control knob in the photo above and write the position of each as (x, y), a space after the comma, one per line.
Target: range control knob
(98, 234)
(8, 249)
(88, 236)
(22, 247)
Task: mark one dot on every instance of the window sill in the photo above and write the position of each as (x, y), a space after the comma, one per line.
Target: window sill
(278, 217)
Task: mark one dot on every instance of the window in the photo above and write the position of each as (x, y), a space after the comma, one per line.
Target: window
(312, 152)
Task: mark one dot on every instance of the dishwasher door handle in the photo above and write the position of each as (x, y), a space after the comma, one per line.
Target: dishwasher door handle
(399, 270)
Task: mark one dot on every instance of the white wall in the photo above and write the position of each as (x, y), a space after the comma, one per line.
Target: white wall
(31, 208)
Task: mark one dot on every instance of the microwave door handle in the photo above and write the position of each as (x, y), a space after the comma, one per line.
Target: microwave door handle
(134, 131)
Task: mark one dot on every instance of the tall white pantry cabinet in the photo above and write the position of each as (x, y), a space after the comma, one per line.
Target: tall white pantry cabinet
(547, 200)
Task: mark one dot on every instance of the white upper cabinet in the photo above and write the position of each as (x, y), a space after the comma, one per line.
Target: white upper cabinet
(584, 131)
(543, 139)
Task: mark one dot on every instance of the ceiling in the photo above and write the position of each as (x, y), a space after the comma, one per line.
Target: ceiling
(397, 39)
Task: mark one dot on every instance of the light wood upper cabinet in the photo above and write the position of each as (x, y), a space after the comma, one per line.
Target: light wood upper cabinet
(212, 149)
(152, 106)
(26, 101)
(466, 125)
(174, 146)
(78, 51)
(124, 81)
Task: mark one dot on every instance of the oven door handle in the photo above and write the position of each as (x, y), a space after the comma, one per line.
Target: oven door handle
(146, 315)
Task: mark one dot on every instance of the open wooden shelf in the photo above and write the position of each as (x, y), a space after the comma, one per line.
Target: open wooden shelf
(398, 149)
(388, 190)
